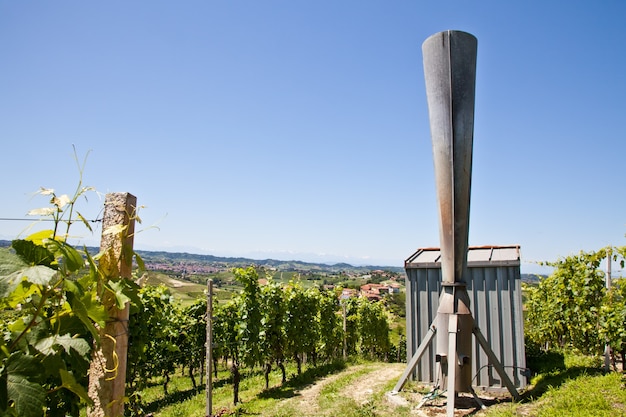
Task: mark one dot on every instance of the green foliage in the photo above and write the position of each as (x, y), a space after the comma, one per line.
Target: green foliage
(238, 326)
(540, 361)
(50, 307)
(225, 318)
(249, 325)
(10, 262)
(193, 336)
(273, 339)
(302, 325)
(154, 329)
(396, 303)
(373, 329)
(564, 309)
(51, 314)
(330, 326)
(272, 324)
(351, 306)
(613, 316)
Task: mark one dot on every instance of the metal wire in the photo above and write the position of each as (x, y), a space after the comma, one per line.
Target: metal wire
(14, 219)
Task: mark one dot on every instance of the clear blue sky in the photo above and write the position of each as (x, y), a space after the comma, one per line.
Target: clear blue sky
(299, 129)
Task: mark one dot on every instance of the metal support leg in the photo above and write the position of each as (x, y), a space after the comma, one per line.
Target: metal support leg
(416, 357)
(496, 363)
(478, 400)
(452, 333)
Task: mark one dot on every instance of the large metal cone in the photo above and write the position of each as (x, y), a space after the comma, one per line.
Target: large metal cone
(450, 73)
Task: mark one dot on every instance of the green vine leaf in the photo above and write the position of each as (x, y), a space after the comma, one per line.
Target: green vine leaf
(25, 396)
(38, 237)
(72, 259)
(124, 292)
(86, 308)
(140, 262)
(20, 294)
(21, 364)
(33, 253)
(19, 286)
(39, 275)
(47, 345)
(69, 382)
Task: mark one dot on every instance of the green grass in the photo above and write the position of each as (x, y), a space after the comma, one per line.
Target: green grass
(330, 395)
(279, 400)
(183, 400)
(579, 390)
(185, 291)
(599, 395)
(603, 395)
(573, 385)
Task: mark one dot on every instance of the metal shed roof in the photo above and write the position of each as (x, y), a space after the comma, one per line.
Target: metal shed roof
(477, 256)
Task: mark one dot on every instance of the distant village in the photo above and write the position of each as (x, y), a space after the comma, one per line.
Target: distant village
(388, 282)
(373, 292)
(184, 268)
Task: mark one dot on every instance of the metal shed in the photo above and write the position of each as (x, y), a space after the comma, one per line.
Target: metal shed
(494, 287)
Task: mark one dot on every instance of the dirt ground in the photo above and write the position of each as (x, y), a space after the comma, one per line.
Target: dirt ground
(465, 405)
(362, 389)
(365, 386)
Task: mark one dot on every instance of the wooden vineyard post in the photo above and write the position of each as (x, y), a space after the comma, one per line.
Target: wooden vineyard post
(107, 373)
(209, 350)
(345, 329)
(607, 282)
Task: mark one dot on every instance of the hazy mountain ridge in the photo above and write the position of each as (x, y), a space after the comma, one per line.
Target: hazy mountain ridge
(151, 257)
(155, 257)
(222, 262)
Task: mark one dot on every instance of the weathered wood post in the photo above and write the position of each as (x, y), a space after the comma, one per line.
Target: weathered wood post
(607, 281)
(345, 330)
(107, 373)
(209, 350)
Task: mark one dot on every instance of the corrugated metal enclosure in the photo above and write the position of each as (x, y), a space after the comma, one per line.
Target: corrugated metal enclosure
(494, 287)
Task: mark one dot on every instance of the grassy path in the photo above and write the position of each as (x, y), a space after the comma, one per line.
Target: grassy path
(360, 390)
(349, 392)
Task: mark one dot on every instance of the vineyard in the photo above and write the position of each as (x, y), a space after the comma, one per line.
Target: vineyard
(260, 328)
(64, 309)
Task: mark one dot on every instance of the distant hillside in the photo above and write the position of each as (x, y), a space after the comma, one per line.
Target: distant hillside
(532, 278)
(183, 259)
(211, 263)
(153, 257)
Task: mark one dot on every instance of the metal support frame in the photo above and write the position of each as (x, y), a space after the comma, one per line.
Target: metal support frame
(415, 358)
(453, 322)
(452, 337)
(477, 399)
(496, 363)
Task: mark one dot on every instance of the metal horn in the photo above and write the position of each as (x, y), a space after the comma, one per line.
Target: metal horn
(450, 74)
